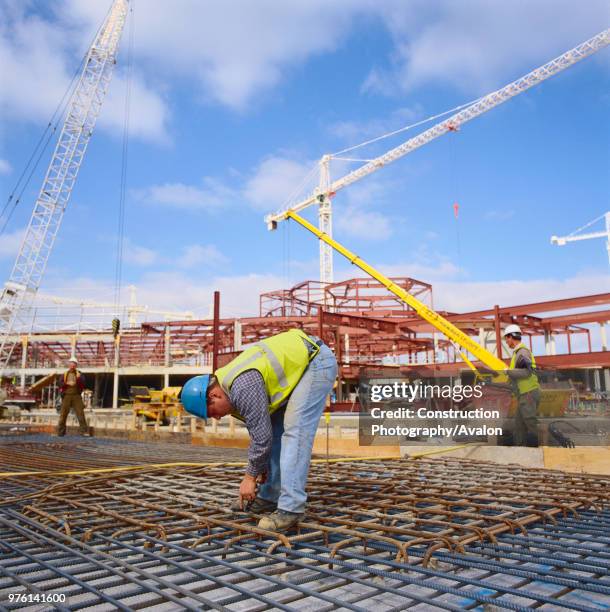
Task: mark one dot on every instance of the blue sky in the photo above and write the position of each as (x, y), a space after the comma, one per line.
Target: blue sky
(233, 103)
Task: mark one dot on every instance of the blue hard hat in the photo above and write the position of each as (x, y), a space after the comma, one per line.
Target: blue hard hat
(193, 396)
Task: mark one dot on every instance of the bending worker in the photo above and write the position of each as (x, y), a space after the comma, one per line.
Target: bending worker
(278, 387)
(73, 383)
(522, 374)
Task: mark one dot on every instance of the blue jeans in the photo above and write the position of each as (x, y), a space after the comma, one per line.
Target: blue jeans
(294, 430)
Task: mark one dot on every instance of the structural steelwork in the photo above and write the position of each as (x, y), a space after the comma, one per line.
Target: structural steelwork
(377, 325)
(364, 325)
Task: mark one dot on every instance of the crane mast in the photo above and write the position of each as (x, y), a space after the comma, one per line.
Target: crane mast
(452, 123)
(325, 221)
(82, 112)
(322, 194)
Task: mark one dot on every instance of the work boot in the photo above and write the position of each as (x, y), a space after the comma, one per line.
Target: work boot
(280, 520)
(262, 506)
(257, 506)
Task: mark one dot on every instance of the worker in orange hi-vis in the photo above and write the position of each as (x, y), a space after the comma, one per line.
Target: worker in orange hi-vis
(72, 385)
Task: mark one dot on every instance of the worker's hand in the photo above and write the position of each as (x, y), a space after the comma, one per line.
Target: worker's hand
(247, 490)
(261, 478)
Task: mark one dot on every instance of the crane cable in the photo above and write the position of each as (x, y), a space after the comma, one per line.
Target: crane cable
(405, 128)
(118, 272)
(585, 226)
(456, 189)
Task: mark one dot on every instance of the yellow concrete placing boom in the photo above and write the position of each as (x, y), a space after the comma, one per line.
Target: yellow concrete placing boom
(436, 320)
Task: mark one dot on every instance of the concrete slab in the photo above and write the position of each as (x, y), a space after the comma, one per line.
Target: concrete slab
(504, 455)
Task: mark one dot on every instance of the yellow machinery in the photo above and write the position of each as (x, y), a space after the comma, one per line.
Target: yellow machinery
(159, 406)
(447, 328)
(553, 401)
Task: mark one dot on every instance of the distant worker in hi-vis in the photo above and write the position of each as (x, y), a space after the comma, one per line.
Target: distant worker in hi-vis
(522, 374)
(72, 385)
(278, 387)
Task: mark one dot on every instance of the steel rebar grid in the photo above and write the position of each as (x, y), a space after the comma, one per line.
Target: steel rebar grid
(444, 533)
(45, 452)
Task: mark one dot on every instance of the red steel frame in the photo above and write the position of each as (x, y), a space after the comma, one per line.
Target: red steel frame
(379, 330)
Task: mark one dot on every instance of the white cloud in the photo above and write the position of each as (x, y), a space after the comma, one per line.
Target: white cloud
(233, 51)
(434, 269)
(354, 208)
(211, 195)
(239, 49)
(500, 215)
(189, 257)
(139, 255)
(5, 167)
(478, 45)
(239, 294)
(182, 291)
(354, 131)
(270, 186)
(233, 60)
(37, 59)
(364, 224)
(10, 243)
(196, 254)
(279, 180)
(467, 296)
(148, 114)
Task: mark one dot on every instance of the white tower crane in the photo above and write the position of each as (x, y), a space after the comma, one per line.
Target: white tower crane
(322, 194)
(82, 112)
(576, 234)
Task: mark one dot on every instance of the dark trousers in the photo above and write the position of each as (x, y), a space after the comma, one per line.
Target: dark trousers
(72, 399)
(526, 419)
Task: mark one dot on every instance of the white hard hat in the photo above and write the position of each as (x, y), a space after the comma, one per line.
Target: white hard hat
(73, 360)
(512, 329)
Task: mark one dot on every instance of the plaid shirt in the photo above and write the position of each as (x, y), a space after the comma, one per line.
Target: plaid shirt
(523, 366)
(248, 396)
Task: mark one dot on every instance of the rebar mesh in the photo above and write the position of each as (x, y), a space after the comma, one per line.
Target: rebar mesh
(442, 533)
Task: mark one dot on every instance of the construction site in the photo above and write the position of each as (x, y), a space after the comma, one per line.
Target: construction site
(136, 508)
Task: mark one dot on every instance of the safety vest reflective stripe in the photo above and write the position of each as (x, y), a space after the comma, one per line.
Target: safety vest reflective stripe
(279, 372)
(238, 368)
(281, 361)
(275, 364)
(525, 385)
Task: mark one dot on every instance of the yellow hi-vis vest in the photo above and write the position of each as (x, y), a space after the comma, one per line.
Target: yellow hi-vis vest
(281, 360)
(525, 385)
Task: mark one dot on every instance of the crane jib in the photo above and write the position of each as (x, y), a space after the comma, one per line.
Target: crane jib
(479, 107)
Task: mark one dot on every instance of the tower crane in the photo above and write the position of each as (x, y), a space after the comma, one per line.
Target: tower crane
(326, 189)
(322, 196)
(576, 234)
(82, 112)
